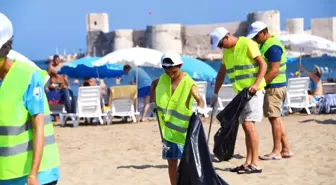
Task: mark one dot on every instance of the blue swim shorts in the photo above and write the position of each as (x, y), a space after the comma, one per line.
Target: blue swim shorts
(174, 153)
(144, 91)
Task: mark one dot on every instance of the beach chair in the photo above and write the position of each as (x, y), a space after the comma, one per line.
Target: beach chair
(329, 88)
(202, 89)
(122, 102)
(88, 106)
(225, 96)
(56, 109)
(297, 95)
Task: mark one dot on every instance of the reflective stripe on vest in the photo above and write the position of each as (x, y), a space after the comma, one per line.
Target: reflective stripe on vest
(17, 130)
(241, 69)
(173, 115)
(16, 134)
(22, 148)
(281, 77)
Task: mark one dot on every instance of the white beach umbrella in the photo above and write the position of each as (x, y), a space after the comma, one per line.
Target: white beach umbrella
(136, 56)
(307, 43)
(16, 56)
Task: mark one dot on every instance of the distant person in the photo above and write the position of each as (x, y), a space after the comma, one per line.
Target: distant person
(315, 82)
(275, 55)
(28, 150)
(143, 85)
(330, 80)
(60, 84)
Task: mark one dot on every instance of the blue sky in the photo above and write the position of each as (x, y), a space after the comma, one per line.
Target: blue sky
(42, 25)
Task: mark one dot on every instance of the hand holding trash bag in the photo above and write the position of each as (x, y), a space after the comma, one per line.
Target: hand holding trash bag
(225, 137)
(196, 166)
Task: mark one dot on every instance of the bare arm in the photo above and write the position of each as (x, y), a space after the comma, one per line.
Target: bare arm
(152, 91)
(275, 69)
(220, 78)
(197, 96)
(38, 143)
(309, 74)
(262, 69)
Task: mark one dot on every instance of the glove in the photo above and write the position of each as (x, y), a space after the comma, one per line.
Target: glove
(214, 100)
(200, 110)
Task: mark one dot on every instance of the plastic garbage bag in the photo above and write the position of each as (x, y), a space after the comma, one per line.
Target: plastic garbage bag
(225, 137)
(196, 167)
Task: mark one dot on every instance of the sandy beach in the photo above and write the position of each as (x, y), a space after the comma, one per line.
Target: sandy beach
(129, 154)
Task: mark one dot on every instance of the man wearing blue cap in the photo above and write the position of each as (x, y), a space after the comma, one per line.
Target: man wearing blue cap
(275, 54)
(246, 68)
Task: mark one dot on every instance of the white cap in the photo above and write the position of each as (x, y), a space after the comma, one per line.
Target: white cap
(216, 35)
(255, 28)
(174, 56)
(6, 29)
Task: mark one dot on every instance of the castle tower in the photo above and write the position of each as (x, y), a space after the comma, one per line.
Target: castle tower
(295, 25)
(97, 22)
(271, 18)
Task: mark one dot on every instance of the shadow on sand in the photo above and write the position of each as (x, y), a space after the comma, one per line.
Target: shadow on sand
(140, 167)
(327, 121)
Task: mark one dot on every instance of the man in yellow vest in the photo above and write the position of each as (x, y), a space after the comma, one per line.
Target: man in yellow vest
(275, 54)
(28, 152)
(246, 68)
(174, 93)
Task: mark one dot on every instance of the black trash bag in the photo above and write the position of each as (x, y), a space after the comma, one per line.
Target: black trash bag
(225, 137)
(196, 167)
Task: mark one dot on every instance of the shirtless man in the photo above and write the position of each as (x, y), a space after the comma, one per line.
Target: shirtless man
(61, 83)
(57, 81)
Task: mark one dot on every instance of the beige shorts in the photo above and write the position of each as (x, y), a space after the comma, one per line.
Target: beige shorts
(274, 98)
(253, 110)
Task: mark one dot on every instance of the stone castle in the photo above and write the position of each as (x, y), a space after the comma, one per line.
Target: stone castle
(191, 40)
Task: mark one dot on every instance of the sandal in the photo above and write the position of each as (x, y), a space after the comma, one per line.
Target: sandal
(250, 170)
(287, 155)
(270, 157)
(238, 168)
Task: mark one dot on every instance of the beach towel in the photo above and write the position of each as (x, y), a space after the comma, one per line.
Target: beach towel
(196, 167)
(226, 136)
(124, 91)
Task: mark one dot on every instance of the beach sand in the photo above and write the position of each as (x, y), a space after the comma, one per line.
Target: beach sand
(130, 154)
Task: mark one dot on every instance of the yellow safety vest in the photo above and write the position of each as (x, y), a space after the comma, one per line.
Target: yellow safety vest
(241, 69)
(16, 134)
(281, 77)
(173, 114)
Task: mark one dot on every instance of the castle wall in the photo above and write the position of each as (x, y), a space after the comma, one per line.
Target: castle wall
(123, 39)
(196, 39)
(324, 27)
(164, 37)
(191, 40)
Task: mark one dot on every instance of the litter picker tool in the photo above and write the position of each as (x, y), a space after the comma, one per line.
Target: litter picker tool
(211, 118)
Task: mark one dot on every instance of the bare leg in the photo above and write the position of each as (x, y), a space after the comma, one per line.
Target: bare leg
(172, 170)
(284, 141)
(248, 150)
(251, 132)
(277, 134)
(145, 109)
